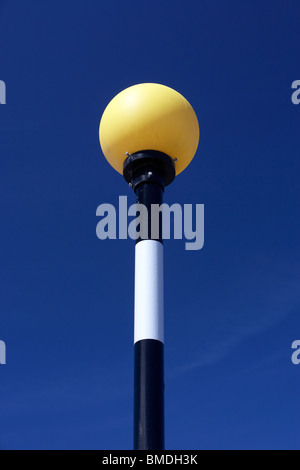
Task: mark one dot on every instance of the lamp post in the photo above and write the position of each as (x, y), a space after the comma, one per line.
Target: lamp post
(149, 133)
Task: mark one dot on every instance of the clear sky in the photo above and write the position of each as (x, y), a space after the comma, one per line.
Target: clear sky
(232, 308)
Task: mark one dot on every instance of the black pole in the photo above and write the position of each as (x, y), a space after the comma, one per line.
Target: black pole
(148, 172)
(149, 419)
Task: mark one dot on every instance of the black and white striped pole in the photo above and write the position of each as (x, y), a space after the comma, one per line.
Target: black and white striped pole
(148, 173)
(149, 133)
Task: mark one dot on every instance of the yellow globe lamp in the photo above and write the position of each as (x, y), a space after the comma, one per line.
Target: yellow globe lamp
(149, 116)
(149, 133)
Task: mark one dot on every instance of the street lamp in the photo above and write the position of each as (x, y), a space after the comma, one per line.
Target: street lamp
(149, 133)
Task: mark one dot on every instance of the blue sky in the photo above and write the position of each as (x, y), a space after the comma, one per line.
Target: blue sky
(232, 308)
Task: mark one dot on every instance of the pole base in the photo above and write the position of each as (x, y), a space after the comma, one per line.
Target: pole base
(149, 395)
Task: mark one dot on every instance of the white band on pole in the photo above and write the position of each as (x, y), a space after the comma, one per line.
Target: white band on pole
(149, 297)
